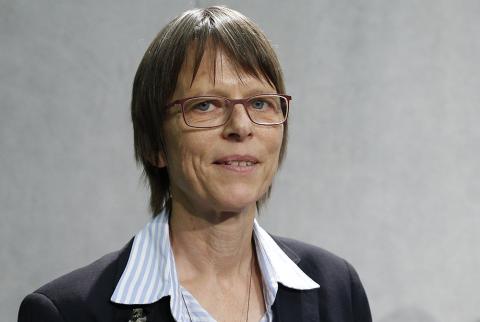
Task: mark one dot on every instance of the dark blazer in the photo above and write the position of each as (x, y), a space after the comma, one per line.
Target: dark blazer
(84, 294)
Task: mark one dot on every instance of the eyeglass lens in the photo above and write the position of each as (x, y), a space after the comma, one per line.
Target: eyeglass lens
(215, 111)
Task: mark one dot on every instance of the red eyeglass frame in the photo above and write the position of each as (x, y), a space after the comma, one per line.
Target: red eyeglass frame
(231, 102)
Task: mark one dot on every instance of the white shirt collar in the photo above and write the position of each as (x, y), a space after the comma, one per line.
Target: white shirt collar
(150, 272)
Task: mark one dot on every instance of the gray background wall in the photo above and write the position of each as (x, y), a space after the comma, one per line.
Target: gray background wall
(383, 166)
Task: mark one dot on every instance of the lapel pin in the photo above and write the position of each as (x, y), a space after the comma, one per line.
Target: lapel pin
(138, 316)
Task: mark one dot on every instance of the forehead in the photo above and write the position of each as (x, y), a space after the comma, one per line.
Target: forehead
(216, 70)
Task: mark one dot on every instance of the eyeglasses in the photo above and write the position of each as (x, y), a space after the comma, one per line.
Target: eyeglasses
(213, 111)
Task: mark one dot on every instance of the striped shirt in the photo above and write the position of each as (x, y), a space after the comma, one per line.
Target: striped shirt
(150, 273)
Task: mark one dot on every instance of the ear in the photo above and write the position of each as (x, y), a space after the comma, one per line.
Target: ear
(161, 162)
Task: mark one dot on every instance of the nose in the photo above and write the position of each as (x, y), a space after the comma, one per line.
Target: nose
(239, 126)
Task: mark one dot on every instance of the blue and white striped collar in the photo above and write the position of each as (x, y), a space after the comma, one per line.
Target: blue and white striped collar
(150, 272)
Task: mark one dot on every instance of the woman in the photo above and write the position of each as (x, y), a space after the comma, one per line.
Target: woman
(209, 113)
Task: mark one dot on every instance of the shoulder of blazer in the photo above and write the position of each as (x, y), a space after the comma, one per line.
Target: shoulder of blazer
(341, 296)
(83, 293)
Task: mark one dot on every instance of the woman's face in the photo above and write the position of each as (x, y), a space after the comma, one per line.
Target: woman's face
(227, 168)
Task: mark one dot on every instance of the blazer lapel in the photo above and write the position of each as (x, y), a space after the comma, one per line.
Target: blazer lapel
(160, 311)
(295, 305)
(291, 304)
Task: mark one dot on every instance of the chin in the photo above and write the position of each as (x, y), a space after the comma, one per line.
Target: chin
(237, 202)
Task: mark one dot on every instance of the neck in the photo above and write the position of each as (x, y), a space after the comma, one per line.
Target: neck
(212, 244)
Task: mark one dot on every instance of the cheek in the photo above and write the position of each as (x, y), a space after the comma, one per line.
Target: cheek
(185, 156)
(275, 143)
(177, 142)
(272, 146)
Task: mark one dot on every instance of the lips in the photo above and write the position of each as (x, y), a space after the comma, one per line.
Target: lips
(237, 161)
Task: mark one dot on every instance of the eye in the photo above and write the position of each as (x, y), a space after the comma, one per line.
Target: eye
(204, 106)
(259, 104)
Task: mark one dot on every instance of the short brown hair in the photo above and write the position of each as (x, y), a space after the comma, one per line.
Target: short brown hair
(224, 29)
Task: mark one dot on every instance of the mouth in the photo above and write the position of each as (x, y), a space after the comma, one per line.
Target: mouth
(237, 162)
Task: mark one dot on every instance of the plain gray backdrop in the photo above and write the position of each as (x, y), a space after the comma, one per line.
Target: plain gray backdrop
(383, 163)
